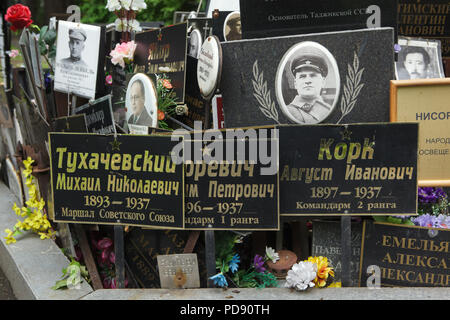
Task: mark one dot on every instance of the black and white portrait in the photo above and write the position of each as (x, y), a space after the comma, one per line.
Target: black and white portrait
(141, 102)
(419, 59)
(307, 83)
(232, 27)
(195, 43)
(77, 48)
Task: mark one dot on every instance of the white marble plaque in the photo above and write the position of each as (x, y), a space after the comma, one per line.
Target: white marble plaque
(209, 67)
(178, 271)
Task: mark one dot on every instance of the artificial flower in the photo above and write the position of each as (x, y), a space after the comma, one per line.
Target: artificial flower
(430, 221)
(113, 5)
(335, 285)
(166, 84)
(109, 79)
(12, 53)
(123, 53)
(219, 280)
(272, 255)
(19, 16)
(430, 195)
(161, 115)
(301, 276)
(258, 264)
(323, 270)
(124, 25)
(234, 263)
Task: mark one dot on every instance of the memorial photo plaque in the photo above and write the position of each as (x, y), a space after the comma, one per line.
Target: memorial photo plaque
(359, 169)
(127, 180)
(178, 271)
(77, 50)
(99, 115)
(426, 102)
(406, 256)
(308, 79)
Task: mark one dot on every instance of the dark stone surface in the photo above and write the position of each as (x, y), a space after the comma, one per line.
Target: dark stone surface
(326, 241)
(6, 292)
(374, 54)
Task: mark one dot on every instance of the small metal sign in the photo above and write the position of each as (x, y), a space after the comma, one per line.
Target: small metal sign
(209, 68)
(404, 256)
(123, 180)
(99, 115)
(178, 271)
(358, 169)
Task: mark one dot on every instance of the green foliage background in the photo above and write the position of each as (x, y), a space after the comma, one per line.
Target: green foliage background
(94, 11)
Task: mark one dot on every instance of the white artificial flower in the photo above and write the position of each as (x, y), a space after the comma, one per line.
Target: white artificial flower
(301, 276)
(272, 254)
(137, 5)
(127, 25)
(126, 4)
(113, 5)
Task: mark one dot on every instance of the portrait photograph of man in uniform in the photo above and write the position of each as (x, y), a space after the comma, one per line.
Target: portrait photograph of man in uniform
(419, 59)
(77, 39)
(232, 27)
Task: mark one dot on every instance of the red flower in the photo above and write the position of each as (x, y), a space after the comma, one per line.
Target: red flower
(19, 16)
(161, 115)
(166, 84)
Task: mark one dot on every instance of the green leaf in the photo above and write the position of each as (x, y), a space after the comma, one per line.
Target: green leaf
(379, 218)
(60, 284)
(394, 220)
(50, 37)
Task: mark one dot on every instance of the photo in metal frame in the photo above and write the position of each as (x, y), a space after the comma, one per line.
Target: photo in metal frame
(195, 43)
(419, 59)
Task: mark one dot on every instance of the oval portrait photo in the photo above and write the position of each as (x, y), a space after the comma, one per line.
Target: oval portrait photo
(141, 102)
(307, 83)
(232, 27)
(195, 43)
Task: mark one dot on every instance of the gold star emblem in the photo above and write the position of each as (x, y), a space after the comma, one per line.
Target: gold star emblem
(346, 134)
(115, 145)
(206, 151)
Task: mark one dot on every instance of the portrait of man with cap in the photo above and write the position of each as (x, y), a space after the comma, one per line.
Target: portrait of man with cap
(77, 39)
(310, 72)
(234, 24)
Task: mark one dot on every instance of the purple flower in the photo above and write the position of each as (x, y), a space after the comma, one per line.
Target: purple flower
(397, 48)
(258, 263)
(430, 195)
(425, 220)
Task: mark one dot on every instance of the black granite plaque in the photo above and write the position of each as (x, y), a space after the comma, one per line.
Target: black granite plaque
(407, 256)
(163, 51)
(258, 85)
(194, 101)
(76, 123)
(142, 248)
(359, 169)
(99, 115)
(326, 242)
(234, 193)
(428, 19)
(127, 180)
(262, 18)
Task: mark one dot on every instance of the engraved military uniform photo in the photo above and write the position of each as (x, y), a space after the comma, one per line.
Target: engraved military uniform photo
(141, 102)
(307, 83)
(77, 50)
(419, 59)
(195, 43)
(232, 27)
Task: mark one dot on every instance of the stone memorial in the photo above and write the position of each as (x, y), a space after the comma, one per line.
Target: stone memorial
(352, 71)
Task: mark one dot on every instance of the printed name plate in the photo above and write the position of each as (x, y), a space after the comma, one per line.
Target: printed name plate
(233, 193)
(130, 180)
(262, 18)
(404, 256)
(359, 169)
